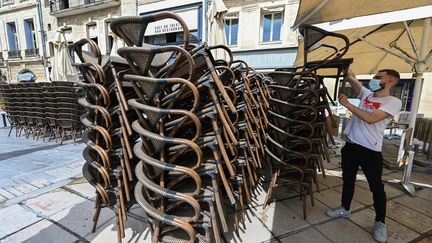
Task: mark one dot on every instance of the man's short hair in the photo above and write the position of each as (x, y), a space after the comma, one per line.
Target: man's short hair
(391, 72)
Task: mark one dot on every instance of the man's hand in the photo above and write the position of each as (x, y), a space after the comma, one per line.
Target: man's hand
(370, 118)
(343, 100)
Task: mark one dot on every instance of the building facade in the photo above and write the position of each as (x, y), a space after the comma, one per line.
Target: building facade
(20, 39)
(257, 31)
(79, 19)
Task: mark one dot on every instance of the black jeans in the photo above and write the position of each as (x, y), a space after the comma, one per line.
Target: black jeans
(371, 162)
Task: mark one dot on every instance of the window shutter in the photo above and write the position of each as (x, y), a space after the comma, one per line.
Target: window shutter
(28, 34)
(11, 37)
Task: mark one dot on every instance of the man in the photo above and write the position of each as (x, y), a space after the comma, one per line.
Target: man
(364, 136)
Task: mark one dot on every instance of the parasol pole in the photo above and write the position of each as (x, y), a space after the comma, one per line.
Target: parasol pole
(420, 67)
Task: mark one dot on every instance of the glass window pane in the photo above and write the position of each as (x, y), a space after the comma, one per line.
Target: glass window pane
(227, 28)
(277, 27)
(234, 31)
(267, 20)
(193, 36)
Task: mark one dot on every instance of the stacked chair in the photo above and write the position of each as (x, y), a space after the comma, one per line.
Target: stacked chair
(42, 109)
(198, 152)
(173, 129)
(186, 135)
(109, 161)
(298, 128)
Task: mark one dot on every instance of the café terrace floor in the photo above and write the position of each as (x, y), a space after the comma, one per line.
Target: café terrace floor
(43, 198)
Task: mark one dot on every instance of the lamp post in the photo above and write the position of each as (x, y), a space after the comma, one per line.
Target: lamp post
(42, 38)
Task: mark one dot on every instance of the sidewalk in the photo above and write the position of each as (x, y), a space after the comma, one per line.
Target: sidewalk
(64, 214)
(31, 166)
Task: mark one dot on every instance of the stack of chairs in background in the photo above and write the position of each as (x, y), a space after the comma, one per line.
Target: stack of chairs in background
(297, 132)
(43, 109)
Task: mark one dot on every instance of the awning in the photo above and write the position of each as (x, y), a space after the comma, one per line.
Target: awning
(320, 11)
(368, 58)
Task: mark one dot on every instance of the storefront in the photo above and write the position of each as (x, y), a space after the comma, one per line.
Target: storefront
(169, 32)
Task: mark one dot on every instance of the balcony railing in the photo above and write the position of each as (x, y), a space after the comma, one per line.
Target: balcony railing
(6, 2)
(61, 8)
(32, 52)
(14, 54)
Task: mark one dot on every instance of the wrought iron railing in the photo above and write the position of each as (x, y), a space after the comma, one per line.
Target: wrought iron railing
(58, 5)
(14, 54)
(32, 52)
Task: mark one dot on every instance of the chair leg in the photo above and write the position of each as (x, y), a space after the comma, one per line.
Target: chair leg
(10, 130)
(62, 137)
(269, 192)
(43, 133)
(96, 213)
(219, 205)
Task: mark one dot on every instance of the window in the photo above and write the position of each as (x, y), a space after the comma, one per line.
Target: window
(173, 38)
(30, 34)
(271, 26)
(92, 32)
(12, 36)
(231, 28)
(63, 4)
(7, 2)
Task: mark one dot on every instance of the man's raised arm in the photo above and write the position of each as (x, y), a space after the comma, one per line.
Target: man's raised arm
(355, 84)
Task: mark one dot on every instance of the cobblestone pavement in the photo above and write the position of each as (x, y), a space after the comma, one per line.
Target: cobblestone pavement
(64, 211)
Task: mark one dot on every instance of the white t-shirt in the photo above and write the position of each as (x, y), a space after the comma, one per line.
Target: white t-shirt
(371, 135)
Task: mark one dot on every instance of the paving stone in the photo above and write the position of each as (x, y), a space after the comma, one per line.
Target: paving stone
(79, 217)
(427, 239)
(279, 218)
(332, 199)
(421, 178)
(20, 165)
(330, 180)
(6, 194)
(136, 210)
(84, 189)
(310, 235)
(408, 217)
(4, 174)
(314, 214)
(393, 190)
(425, 193)
(43, 231)
(416, 203)
(259, 194)
(331, 166)
(342, 231)
(17, 218)
(135, 231)
(13, 190)
(251, 230)
(396, 231)
(395, 175)
(284, 192)
(360, 195)
(53, 202)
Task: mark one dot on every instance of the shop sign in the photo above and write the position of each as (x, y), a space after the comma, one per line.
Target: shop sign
(190, 17)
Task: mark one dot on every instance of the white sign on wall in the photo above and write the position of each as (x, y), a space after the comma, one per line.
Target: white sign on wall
(190, 17)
